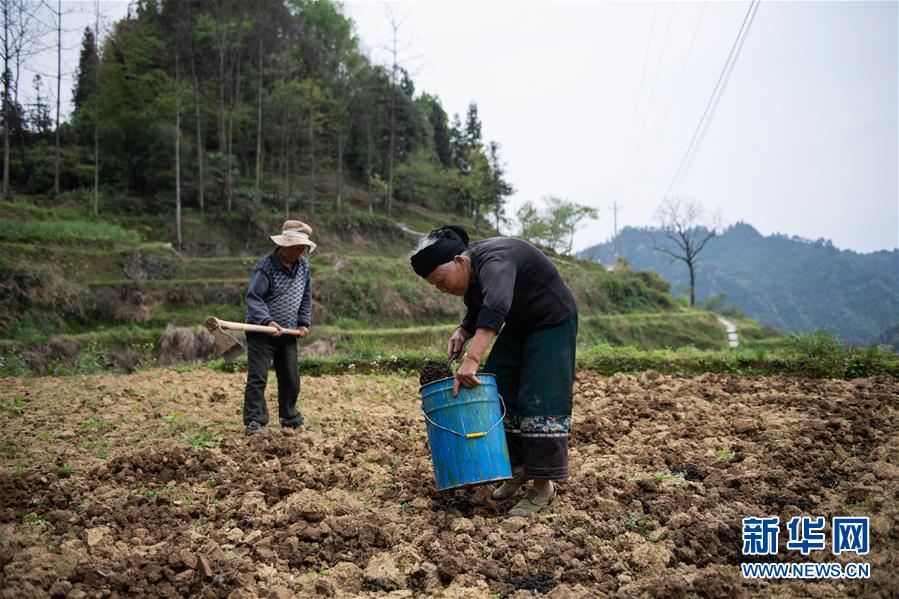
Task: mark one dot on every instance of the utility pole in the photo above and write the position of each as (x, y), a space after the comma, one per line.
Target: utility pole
(615, 209)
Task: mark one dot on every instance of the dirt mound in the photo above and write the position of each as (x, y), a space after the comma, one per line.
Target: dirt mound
(145, 486)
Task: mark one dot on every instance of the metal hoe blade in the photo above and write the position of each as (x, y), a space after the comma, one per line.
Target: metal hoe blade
(226, 345)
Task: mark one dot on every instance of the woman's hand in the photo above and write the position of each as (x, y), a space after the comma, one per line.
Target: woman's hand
(277, 326)
(303, 331)
(457, 343)
(465, 376)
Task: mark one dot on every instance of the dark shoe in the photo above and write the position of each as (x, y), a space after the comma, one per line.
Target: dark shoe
(509, 487)
(254, 428)
(302, 426)
(533, 502)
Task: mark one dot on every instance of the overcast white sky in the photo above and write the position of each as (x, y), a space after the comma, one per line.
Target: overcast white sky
(803, 142)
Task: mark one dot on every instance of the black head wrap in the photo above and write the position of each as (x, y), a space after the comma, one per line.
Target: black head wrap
(451, 241)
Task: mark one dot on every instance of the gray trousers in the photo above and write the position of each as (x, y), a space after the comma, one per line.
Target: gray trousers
(262, 350)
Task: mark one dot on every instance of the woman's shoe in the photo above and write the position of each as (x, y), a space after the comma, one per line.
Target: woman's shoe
(509, 487)
(534, 501)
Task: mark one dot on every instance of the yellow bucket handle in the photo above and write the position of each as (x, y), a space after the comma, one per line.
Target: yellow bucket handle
(470, 435)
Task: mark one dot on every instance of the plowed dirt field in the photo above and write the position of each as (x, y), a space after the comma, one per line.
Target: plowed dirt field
(144, 485)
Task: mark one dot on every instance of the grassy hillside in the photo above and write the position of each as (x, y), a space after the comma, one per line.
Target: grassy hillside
(791, 284)
(101, 291)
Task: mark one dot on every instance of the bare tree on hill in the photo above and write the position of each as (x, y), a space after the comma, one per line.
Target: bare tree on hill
(686, 225)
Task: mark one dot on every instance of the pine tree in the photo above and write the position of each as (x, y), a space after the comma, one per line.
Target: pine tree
(458, 146)
(84, 84)
(438, 120)
(472, 127)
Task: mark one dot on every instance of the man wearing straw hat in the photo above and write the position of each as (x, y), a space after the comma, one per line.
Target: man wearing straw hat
(280, 296)
(513, 294)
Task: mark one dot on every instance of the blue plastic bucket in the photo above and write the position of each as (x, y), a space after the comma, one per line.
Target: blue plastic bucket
(468, 443)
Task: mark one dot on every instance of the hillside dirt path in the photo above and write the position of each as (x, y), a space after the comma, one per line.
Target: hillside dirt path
(733, 337)
(143, 485)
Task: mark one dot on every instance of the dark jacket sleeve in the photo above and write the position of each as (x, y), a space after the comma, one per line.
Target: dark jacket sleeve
(471, 316)
(257, 309)
(497, 280)
(304, 316)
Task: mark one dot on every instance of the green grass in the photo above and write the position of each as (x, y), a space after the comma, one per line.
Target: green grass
(94, 424)
(15, 404)
(76, 262)
(362, 279)
(203, 438)
(405, 349)
(678, 478)
(637, 523)
(98, 448)
(63, 231)
(727, 454)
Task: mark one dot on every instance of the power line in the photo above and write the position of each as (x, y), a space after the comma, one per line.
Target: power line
(680, 77)
(718, 90)
(718, 99)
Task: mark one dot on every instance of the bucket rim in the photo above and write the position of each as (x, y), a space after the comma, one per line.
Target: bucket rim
(449, 378)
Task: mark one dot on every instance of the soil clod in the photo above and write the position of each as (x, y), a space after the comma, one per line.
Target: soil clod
(828, 480)
(458, 501)
(690, 471)
(803, 504)
(433, 371)
(542, 583)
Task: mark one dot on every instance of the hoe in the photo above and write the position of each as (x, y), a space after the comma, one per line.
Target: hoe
(227, 345)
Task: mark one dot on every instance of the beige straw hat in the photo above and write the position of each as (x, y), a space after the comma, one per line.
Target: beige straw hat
(294, 232)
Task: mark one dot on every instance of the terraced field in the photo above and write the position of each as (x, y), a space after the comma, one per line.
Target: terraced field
(144, 485)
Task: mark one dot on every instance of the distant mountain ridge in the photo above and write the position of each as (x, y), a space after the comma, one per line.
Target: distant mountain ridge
(793, 284)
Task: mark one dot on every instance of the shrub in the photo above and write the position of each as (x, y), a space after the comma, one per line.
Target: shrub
(178, 345)
(52, 357)
(125, 359)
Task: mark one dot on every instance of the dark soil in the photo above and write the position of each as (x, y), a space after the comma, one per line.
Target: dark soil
(144, 486)
(690, 472)
(433, 371)
(459, 501)
(542, 583)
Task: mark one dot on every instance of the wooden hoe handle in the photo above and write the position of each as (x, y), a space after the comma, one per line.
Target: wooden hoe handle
(212, 322)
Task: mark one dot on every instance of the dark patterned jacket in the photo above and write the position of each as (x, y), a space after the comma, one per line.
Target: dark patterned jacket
(279, 293)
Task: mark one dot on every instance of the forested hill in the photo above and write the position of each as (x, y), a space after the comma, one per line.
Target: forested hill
(790, 283)
(221, 105)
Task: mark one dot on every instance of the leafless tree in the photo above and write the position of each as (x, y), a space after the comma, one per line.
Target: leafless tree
(201, 179)
(97, 108)
(685, 224)
(259, 119)
(22, 33)
(233, 102)
(396, 22)
(6, 8)
(178, 138)
(343, 120)
(58, 93)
